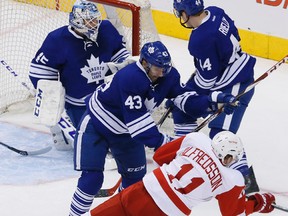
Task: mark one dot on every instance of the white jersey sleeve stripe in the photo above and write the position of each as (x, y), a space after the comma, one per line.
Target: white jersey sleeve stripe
(231, 72)
(204, 83)
(46, 68)
(140, 130)
(75, 101)
(105, 117)
(43, 72)
(123, 53)
(180, 100)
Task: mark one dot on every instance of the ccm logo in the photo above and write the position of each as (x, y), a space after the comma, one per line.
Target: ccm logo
(274, 3)
(136, 169)
(38, 103)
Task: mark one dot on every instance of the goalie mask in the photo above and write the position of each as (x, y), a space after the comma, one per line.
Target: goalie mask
(227, 143)
(85, 18)
(155, 53)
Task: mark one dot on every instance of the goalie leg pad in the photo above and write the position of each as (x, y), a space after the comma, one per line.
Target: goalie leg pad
(49, 102)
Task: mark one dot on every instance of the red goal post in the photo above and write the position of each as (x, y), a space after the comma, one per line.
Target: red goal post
(135, 20)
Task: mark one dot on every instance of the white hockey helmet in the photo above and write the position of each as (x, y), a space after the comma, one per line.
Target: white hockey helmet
(85, 18)
(227, 143)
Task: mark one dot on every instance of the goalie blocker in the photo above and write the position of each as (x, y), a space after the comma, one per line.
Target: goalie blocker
(49, 102)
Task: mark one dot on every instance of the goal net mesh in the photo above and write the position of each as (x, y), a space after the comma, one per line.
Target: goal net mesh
(24, 24)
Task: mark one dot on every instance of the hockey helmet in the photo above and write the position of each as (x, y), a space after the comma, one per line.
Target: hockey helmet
(85, 18)
(155, 53)
(191, 7)
(227, 143)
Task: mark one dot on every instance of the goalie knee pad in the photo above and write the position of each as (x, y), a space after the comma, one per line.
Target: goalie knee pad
(61, 143)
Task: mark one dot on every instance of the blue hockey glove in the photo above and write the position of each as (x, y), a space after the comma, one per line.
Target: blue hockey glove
(229, 108)
(166, 138)
(228, 100)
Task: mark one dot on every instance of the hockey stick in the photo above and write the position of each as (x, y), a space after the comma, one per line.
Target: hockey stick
(27, 153)
(281, 208)
(164, 116)
(67, 128)
(248, 88)
(109, 191)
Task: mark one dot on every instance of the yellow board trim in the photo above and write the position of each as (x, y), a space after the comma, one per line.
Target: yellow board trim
(265, 46)
(61, 5)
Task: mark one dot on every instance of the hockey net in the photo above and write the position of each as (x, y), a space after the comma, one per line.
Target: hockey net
(24, 24)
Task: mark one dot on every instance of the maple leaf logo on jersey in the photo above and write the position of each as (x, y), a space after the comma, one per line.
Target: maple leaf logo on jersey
(150, 104)
(95, 71)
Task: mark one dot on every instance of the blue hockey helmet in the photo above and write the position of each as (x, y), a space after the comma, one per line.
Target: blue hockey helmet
(85, 18)
(155, 53)
(191, 7)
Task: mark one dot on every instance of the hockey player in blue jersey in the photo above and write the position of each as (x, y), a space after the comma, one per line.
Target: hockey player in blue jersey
(77, 55)
(220, 64)
(119, 118)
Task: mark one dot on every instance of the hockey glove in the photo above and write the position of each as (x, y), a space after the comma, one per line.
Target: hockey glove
(263, 202)
(114, 67)
(228, 100)
(164, 140)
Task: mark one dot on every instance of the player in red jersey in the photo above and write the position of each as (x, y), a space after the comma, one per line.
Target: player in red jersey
(193, 169)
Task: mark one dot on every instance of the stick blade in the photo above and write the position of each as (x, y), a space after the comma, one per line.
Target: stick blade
(40, 151)
(109, 191)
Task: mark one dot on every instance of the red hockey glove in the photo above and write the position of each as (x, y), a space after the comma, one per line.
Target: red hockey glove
(263, 202)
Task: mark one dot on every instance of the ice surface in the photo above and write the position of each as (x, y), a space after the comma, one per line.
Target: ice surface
(43, 185)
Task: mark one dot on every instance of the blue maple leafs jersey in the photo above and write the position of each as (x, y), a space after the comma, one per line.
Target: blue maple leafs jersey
(124, 105)
(218, 58)
(79, 63)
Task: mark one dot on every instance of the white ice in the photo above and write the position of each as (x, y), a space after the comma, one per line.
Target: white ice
(43, 185)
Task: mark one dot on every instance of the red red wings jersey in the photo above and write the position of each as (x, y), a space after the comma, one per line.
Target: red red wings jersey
(190, 173)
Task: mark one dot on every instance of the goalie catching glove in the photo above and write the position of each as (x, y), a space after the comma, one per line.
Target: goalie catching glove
(218, 97)
(114, 67)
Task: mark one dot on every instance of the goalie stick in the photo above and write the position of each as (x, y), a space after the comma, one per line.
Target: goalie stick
(27, 153)
(64, 123)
